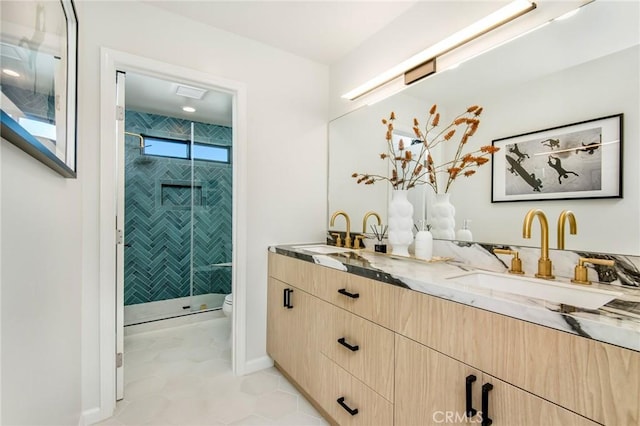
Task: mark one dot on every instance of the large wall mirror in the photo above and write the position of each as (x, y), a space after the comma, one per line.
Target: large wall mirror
(571, 70)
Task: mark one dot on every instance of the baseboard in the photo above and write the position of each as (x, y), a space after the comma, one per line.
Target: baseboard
(92, 416)
(258, 364)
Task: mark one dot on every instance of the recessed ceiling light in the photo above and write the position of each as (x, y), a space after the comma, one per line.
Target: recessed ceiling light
(11, 73)
(188, 109)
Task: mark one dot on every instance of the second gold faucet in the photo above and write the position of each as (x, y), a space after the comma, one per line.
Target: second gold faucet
(573, 227)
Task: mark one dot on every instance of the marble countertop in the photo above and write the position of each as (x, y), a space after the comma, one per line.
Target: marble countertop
(618, 322)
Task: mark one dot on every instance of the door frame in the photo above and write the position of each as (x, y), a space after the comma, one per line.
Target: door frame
(110, 62)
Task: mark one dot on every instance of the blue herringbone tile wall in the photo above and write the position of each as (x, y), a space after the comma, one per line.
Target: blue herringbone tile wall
(158, 214)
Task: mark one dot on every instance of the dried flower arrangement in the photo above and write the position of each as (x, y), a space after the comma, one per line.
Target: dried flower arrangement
(424, 171)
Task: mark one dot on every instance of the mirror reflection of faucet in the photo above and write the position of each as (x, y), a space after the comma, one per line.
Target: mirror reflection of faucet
(366, 217)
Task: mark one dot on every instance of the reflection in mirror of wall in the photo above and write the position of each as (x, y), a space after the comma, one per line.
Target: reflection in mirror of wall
(568, 71)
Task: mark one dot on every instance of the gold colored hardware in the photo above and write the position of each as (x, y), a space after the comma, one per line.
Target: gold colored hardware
(580, 272)
(516, 262)
(366, 217)
(573, 227)
(347, 240)
(545, 268)
(338, 239)
(357, 241)
(140, 138)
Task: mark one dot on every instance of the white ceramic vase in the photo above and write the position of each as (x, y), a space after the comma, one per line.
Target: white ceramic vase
(400, 223)
(443, 222)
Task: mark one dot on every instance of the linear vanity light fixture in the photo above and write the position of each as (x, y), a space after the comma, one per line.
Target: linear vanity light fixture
(494, 20)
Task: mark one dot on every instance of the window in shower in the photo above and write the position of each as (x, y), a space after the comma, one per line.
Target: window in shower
(162, 147)
(166, 147)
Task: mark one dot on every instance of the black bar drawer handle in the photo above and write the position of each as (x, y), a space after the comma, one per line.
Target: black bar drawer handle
(285, 297)
(344, 343)
(486, 388)
(470, 411)
(353, 412)
(289, 305)
(346, 293)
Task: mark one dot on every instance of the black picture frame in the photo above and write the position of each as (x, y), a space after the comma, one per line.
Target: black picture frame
(39, 92)
(581, 160)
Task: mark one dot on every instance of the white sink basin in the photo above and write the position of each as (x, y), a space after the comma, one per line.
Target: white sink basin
(569, 294)
(322, 249)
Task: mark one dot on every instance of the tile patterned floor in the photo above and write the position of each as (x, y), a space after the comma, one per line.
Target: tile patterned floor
(182, 376)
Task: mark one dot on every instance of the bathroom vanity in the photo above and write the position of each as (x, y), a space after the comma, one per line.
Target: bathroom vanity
(377, 340)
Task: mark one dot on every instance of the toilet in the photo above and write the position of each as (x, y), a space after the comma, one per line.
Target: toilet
(227, 306)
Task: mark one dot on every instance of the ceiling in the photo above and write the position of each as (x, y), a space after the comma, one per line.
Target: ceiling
(156, 96)
(321, 30)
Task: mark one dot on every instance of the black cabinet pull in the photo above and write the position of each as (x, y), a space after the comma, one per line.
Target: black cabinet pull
(289, 305)
(287, 298)
(486, 388)
(346, 293)
(344, 343)
(470, 411)
(353, 412)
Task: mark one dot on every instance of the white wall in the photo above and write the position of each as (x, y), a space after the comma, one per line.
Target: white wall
(41, 286)
(287, 115)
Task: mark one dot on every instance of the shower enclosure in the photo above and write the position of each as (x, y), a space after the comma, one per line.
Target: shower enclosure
(178, 210)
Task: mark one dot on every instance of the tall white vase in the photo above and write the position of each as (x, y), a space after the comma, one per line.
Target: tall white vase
(400, 223)
(443, 222)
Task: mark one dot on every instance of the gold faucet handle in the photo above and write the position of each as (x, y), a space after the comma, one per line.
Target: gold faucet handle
(580, 273)
(357, 241)
(516, 262)
(338, 239)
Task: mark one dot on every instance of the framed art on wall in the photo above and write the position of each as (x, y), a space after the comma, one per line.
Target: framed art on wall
(39, 77)
(578, 160)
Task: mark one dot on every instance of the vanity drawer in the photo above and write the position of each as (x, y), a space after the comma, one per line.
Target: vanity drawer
(292, 271)
(341, 395)
(359, 346)
(367, 298)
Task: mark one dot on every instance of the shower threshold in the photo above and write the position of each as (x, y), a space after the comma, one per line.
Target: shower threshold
(156, 311)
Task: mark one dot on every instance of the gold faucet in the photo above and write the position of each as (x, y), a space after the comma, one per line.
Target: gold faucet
(347, 241)
(545, 267)
(573, 227)
(366, 216)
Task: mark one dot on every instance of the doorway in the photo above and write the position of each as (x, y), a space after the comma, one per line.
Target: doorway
(113, 61)
(177, 198)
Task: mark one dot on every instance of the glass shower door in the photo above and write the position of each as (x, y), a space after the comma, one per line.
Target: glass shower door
(212, 215)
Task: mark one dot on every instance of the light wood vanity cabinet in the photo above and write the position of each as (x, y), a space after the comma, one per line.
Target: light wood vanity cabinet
(431, 388)
(330, 347)
(291, 330)
(415, 351)
(359, 346)
(594, 379)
